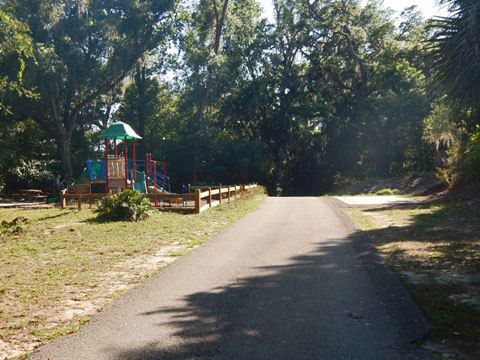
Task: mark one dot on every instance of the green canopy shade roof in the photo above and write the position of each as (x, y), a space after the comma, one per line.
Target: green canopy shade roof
(119, 131)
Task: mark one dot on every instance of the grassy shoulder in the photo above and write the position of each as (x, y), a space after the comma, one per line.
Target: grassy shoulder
(435, 247)
(58, 267)
(413, 184)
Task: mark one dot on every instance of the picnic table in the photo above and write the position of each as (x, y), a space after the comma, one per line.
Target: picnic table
(30, 195)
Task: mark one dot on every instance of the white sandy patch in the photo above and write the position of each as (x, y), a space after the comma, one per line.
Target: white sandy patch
(375, 200)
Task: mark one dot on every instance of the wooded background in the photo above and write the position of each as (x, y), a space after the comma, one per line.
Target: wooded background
(330, 91)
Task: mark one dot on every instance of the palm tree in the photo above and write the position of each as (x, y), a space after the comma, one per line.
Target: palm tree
(456, 50)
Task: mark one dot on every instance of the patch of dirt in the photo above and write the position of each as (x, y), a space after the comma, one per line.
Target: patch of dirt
(409, 184)
(449, 278)
(470, 297)
(447, 351)
(416, 278)
(61, 226)
(470, 283)
(83, 301)
(383, 220)
(18, 346)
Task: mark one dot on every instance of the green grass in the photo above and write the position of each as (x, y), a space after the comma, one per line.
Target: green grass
(362, 221)
(388, 191)
(61, 255)
(455, 321)
(432, 240)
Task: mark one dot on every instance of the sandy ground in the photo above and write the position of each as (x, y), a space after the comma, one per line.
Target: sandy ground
(375, 200)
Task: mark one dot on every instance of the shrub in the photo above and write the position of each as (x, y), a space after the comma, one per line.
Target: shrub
(129, 205)
(472, 160)
(29, 174)
(12, 227)
(388, 191)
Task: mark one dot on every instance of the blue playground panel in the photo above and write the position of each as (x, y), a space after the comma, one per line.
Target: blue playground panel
(96, 171)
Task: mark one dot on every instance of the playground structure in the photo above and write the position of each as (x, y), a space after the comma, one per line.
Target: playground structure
(116, 172)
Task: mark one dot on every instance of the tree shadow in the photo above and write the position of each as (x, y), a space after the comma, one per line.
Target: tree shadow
(63, 213)
(339, 301)
(438, 255)
(451, 228)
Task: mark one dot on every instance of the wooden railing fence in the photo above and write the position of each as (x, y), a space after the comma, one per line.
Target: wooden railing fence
(199, 198)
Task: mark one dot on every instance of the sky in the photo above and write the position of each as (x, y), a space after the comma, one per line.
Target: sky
(428, 7)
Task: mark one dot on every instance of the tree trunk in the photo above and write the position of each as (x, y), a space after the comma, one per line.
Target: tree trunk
(65, 125)
(441, 157)
(140, 80)
(196, 162)
(380, 158)
(65, 156)
(220, 17)
(199, 135)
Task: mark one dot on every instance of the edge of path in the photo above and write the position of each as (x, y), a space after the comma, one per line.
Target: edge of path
(386, 279)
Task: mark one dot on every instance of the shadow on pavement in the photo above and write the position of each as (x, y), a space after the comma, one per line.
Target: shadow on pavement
(338, 302)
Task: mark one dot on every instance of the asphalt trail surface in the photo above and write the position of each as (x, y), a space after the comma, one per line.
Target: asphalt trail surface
(292, 280)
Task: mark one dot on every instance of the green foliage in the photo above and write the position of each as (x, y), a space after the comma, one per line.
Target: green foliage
(25, 142)
(472, 159)
(440, 127)
(128, 205)
(29, 174)
(84, 51)
(455, 49)
(387, 191)
(15, 50)
(327, 88)
(445, 176)
(12, 227)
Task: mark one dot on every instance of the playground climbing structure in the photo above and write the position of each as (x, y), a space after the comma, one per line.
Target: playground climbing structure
(117, 172)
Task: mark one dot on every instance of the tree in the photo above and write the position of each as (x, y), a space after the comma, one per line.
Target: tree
(456, 50)
(211, 29)
(15, 50)
(442, 131)
(84, 51)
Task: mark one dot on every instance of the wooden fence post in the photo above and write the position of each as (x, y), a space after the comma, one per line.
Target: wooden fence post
(228, 193)
(209, 197)
(79, 198)
(63, 199)
(197, 201)
(220, 194)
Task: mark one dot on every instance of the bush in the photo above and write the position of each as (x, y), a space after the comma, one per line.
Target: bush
(12, 227)
(129, 205)
(29, 174)
(387, 191)
(472, 160)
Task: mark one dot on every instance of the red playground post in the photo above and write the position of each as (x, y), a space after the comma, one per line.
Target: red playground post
(155, 180)
(134, 162)
(126, 163)
(107, 189)
(150, 165)
(154, 174)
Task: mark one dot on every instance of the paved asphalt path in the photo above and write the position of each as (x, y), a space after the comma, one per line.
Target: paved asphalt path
(288, 281)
